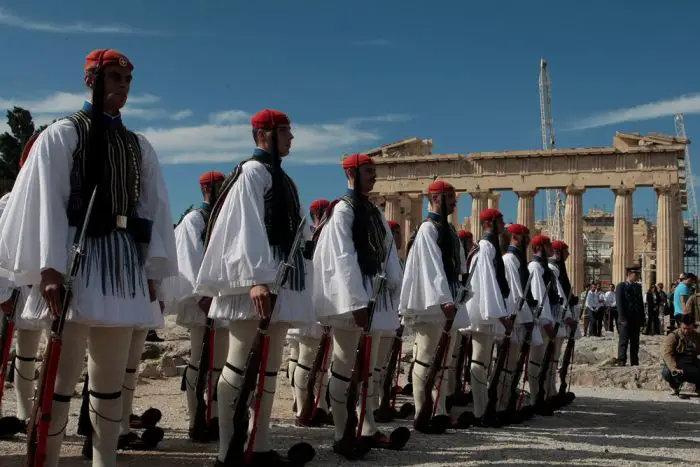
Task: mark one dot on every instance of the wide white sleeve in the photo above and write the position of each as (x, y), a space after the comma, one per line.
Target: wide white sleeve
(34, 225)
(538, 293)
(161, 260)
(425, 285)
(338, 282)
(516, 292)
(190, 251)
(487, 303)
(239, 255)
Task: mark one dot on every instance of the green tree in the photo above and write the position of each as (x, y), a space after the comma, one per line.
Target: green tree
(11, 144)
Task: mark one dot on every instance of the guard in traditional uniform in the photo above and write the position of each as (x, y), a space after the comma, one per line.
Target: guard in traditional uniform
(431, 296)
(22, 371)
(488, 315)
(191, 310)
(557, 263)
(251, 232)
(129, 245)
(548, 297)
(515, 261)
(304, 345)
(352, 246)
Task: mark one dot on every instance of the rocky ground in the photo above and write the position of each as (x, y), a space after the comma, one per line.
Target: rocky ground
(622, 416)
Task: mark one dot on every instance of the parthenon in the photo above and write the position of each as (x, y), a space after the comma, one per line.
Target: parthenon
(406, 168)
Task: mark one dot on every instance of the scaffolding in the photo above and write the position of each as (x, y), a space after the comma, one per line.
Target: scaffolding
(691, 252)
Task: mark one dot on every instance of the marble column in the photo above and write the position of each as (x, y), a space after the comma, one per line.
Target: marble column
(573, 236)
(413, 217)
(526, 213)
(666, 231)
(392, 208)
(623, 243)
(478, 205)
(494, 200)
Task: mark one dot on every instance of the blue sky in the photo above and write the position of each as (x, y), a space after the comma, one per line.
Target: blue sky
(355, 75)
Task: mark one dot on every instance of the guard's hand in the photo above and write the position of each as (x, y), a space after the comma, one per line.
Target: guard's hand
(204, 303)
(152, 290)
(6, 307)
(361, 317)
(449, 310)
(51, 282)
(260, 296)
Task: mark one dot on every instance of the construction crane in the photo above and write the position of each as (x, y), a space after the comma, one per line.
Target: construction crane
(555, 217)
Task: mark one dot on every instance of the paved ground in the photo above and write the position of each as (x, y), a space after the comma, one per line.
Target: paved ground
(602, 427)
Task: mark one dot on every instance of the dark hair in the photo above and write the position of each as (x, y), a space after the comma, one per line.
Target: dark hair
(688, 319)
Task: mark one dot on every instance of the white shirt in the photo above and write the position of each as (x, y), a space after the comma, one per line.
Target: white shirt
(592, 300)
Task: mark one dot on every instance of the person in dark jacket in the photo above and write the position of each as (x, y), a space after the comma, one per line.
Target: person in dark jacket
(653, 327)
(630, 309)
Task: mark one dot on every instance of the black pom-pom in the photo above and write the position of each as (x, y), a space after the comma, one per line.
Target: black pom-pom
(152, 436)
(151, 417)
(301, 453)
(399, 437)
(407, 390)
(406, 410)
(10, 426)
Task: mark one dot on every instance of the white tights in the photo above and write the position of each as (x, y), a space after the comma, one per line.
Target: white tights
(241, 336)
(427, 338)
(108, 352)
(27, 345)
(308, 346)
(192, 371)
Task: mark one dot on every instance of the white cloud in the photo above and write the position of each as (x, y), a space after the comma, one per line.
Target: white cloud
(224, 141)
(688, 104)
(58, 104)
(8, 19)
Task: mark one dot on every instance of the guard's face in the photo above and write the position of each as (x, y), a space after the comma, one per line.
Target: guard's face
(548, 249)
(687, 329)
(117, 86)
(368, 176)
(284, 139)
(450, 201)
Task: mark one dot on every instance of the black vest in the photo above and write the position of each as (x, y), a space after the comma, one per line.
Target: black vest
(498, 264)
(281, 221)
(547, 277)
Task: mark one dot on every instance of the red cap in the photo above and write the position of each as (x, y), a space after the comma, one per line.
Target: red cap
(559, 245)
(438, 187)
(490, 214)
(319, 205)
(464, 234)
(211, 177)
(267, 119)
(518, 229)
(354, 161)
(393, 225)
(99, 58)
(540, 241)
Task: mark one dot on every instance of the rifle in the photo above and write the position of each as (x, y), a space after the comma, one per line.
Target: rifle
(525, 352)
(566, 362)
(8, 331)
(38, 428)
(255, 367)
(310, 404)
(502, 357)
(548, 355)
(392, 368)
(425, 414)
(361, 368)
